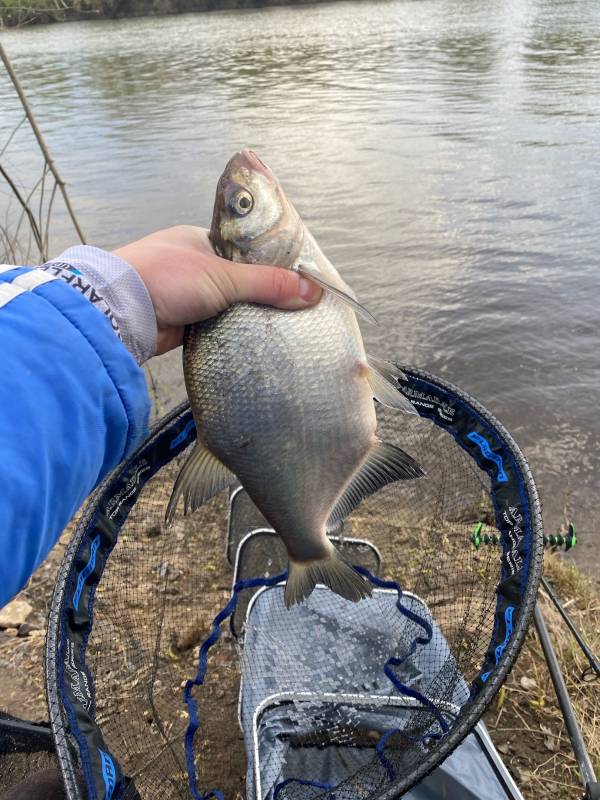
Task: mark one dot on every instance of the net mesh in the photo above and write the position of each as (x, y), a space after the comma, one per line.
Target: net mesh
(162, 588)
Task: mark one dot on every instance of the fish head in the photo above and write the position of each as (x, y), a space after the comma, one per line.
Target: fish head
(253, 221)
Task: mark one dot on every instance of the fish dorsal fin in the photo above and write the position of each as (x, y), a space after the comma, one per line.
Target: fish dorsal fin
(201, 477)
(310, 271)
(385, 464)
(383, 377)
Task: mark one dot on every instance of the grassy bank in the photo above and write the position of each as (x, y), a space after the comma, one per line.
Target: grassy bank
(15, 13)
(525, 721)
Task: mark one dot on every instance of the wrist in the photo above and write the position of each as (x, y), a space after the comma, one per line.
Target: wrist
(116, 289)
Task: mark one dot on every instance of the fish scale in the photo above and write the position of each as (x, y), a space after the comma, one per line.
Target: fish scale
(290, 410)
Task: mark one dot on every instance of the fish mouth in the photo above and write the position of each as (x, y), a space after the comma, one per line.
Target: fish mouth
(248, 159)
(226, 249)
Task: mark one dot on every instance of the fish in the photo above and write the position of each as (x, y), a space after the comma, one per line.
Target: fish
(283, 401)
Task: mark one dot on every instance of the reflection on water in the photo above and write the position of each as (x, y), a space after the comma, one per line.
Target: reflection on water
(445, 154)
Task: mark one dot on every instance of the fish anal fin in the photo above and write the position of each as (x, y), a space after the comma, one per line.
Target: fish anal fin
(332, 571)
(202, 477)
(385, 464)
(312, 273)
(383, 378)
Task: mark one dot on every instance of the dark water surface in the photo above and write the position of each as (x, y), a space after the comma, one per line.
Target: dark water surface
(445, 153)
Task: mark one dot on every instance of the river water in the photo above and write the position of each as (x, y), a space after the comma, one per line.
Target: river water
(445, 153)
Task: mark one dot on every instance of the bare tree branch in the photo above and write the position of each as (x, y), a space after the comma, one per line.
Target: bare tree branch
(12, 135)
(7, 245)
(47, 228)
(23, 215)
(41, 203)
(40, 140)
(32, 221)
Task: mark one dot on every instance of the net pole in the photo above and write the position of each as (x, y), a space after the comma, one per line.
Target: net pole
(594, 663)
(588, 776)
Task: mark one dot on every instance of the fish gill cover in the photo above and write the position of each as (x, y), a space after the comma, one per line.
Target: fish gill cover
(329, 697)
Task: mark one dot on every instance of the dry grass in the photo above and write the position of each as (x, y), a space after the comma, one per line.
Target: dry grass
(525, 720)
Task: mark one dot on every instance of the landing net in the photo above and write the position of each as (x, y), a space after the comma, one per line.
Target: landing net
(329, 698)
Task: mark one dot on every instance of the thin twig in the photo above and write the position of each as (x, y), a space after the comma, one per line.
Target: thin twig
(40, 140)
(47, 229)
(9, 250)
(24, 214)
(12, 135)
(26, 209)
(43, 255)
(152, 391)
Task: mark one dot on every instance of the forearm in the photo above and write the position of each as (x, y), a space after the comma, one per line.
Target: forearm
(73, 405)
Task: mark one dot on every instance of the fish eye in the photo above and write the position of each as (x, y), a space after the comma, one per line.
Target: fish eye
(242, 202)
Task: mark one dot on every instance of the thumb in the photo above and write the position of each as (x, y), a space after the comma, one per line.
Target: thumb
(273, 286)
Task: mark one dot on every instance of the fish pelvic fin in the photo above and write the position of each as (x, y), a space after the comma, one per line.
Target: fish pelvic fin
(333, 571)
(383, 378)
(385, 464)
(201, 477)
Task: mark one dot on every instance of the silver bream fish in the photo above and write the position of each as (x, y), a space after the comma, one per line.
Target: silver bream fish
(283, 400)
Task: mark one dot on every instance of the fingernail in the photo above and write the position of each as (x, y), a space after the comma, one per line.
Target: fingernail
(309, 291)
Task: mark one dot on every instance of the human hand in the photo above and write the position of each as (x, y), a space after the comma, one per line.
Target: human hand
(187, 282)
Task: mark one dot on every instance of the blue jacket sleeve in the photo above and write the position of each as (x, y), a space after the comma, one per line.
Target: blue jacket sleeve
(73, 404)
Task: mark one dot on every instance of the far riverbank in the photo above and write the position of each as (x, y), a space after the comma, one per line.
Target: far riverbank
(15, 13)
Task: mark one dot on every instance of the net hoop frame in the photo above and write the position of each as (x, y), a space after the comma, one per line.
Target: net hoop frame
(69, 682)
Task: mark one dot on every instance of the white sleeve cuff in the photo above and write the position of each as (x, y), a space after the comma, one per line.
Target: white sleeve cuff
(119, 285)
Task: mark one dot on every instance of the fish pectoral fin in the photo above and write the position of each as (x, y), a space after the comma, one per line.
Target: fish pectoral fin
(201, 477)
(386, 368)
(383, 377)
(385, 464)
(312, 273)
(333, 571)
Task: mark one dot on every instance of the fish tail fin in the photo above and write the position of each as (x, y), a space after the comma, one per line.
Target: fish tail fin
(333, 571)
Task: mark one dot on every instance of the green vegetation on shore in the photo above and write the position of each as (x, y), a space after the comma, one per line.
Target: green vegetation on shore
(14, 13)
